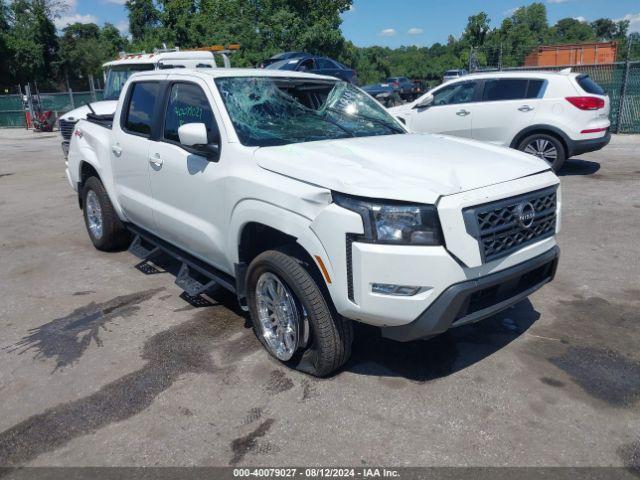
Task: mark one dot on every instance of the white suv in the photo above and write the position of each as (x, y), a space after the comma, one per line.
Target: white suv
(552, 115)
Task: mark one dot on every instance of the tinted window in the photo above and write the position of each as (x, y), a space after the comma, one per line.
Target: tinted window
(534, 88)
(453, 94)
(141, 105)
(505, 89)
(589, 85)
(188, 104)
(325, 63)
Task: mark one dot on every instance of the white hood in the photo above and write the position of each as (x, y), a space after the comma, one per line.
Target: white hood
(105, 107)
(411, 167)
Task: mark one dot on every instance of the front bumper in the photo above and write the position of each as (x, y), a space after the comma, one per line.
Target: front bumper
(578, 147)
(474, 300)
(65, 148)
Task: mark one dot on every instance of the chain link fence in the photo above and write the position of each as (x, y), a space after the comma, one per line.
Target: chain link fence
(14, 108)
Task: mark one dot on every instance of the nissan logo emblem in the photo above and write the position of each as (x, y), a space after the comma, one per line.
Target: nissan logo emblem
(525, 214)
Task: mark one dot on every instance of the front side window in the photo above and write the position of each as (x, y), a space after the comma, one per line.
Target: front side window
(188, 104)
(279, 111)
(118, 76)
(455, 94)
(141, 106)
(325, 64)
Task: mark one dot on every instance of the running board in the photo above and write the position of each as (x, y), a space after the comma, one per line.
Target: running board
(192, 285)
(195, 276)
(142, 251)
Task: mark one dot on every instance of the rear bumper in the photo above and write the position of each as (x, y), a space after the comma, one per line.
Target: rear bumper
(577, 147)
(474, 300)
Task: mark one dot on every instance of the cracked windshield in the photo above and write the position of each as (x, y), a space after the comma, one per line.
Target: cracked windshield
(275, 111)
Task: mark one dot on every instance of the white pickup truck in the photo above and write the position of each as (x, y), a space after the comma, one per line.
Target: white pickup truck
(302, 195)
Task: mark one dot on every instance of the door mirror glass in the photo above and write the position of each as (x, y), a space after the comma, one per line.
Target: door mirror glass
(193, 134)
(424, 102)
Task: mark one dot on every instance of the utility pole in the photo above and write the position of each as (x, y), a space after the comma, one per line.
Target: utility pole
(625, 82)
(500, 58)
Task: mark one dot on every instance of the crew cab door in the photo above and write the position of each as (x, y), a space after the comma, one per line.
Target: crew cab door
(451, 111)
(506, 107)
(132, 128)
(188, 189)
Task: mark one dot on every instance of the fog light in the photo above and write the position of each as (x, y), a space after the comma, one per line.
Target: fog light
(397, 290)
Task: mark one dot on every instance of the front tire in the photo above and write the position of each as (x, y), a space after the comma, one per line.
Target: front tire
(293, 319)
(105, 229)
(546, 147)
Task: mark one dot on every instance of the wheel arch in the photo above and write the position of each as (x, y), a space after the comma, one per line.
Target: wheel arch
(257, 226)
(542, 129)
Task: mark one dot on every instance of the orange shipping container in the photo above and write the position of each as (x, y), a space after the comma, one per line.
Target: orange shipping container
(574, 54)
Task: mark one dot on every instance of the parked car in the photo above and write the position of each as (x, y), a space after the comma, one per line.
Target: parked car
(384, 93)
(454, 74)
(282, 56)
(307, 199)
(117, 72)
(551, 115)
(403, 86)
(318, 65)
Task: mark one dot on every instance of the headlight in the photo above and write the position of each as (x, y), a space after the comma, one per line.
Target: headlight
(392, 222)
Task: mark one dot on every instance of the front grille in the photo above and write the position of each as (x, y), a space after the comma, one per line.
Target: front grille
(499, 228)
(66, 129)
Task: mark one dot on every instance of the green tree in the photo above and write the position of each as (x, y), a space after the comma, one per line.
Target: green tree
(571, 30)
(477, 29)
(143, 18)
(32, 42)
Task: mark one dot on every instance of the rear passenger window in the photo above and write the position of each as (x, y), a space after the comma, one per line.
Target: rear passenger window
(142, 102)
(188, 104)
(505, 89)
(589, 86)
(534, 88)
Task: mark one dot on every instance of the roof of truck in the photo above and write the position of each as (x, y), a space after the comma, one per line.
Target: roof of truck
(233, 72)
(153, 58)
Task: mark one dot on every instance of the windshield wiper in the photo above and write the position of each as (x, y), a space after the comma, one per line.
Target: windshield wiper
(367, 117)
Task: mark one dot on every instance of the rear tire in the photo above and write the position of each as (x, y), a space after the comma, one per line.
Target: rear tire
(105, 229)
(320, 342)
(547, 147)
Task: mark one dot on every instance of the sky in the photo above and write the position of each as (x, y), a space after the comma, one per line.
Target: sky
(393, 23)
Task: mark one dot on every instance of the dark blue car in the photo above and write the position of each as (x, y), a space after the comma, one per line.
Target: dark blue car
(300, 62)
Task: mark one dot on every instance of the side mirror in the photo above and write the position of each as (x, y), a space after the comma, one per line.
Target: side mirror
(424, 102)
(193, 137)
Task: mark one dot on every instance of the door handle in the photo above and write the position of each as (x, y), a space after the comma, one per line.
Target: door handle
(525, 108)
(155, 160)
(463, 113)
(117, 151)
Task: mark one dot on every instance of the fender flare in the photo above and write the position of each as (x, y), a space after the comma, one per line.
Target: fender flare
(288, 222)
(542, 127)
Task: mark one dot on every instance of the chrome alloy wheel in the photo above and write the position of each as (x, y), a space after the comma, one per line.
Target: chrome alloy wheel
(542, 148)
(281, 321)
(94, 214)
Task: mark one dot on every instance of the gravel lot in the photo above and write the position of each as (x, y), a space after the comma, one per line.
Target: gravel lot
(103, 364)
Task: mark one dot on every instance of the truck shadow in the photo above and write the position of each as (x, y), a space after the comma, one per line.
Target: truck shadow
(420, 360)
(455, 350)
